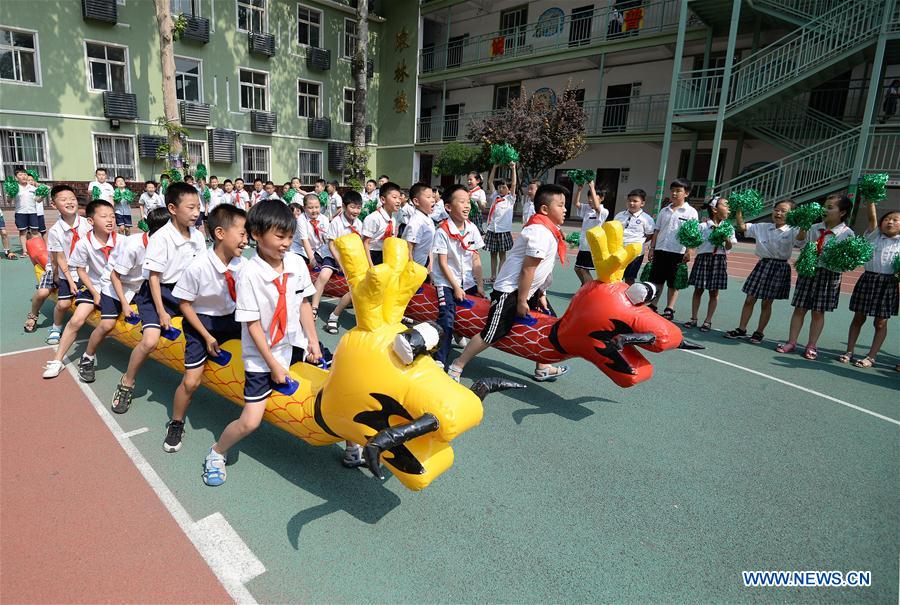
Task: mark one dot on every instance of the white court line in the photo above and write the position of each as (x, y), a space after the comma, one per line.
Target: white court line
(797, 386)
(133, 433)
(229, 558)
(31, 350)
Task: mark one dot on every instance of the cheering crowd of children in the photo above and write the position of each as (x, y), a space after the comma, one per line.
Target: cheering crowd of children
(270, 301)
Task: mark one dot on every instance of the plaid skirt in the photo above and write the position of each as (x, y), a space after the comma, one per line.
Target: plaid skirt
(476, 216)
(47, 281)
(876, 295)
(819, 292)
(769, 280)
(710, 272)
(498, 242)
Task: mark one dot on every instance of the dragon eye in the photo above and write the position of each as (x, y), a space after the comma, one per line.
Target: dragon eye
(641, 293)
(421, 339)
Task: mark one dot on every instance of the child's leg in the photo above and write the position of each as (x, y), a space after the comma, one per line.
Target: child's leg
(240, 428)
(747, 311)
(71, 332)
(493, 265)
(24, 236)
(797, 318)
(59, 312)
(37, 301)
(853, 333)
(189, 385)
(671, 297)
(139, 355)
(446, 319)
(476, 345)
(880, 334)
(711, 305)
(324, 276)
(100, 332)
(765, 313)
(584, 276)
(815, 328)
(695, 302)
(345, 301)
(502, 255)
(5, 238)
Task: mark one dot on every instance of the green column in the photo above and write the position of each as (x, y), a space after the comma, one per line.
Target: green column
(723, 97)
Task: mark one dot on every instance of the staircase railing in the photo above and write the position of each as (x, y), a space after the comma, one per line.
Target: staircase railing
(793, 125)
(801, 9)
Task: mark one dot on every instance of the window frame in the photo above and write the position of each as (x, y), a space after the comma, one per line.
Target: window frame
(37, 57)
(134, 155)
(300, 172)
(195, 8)
(268, 173)
(509, 86)
(344, 104)
(87, 66)
(319, 98)
(203, 155)
(265, 88)
(264, 21)
(45, 139)
(345, 53)
(199, 76)
(321, 25)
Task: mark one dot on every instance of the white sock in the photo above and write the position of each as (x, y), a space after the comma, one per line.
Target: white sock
(89, 357)
(56, 327)
(333, 317)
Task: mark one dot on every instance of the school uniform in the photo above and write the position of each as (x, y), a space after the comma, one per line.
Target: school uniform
(499, 223)
(668, 253)
(92, 255)
(241, 199)
(459, 247)
(151, 202)
(210, 286)
(369, 197)
(122, 210)
(876, 292)
(591, 219)
(478, 201)
(438, 212)
(107, 191)
(127, 261)
(201, 216)
(63, 238)
(256, 197)
(527, 209)
(710, 270)
(26, 209)
(335, 204)
(169, 254)
(338, 227)
(216, 197)
(821, 291)
(771, 277)
(378, 226)
(636, 228)
(274, 300)
(420, 232)
(39, 210)
(403, 215)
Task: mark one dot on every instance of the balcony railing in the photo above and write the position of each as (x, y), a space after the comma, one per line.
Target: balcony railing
(563, 32)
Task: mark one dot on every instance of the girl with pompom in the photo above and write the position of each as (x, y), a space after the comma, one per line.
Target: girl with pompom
(478, 200)
(710, 271)
(122, 197)
(876, 293)
(770, 279)
(819, 292)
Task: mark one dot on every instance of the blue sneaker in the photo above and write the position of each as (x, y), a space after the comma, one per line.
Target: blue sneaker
(214, 469)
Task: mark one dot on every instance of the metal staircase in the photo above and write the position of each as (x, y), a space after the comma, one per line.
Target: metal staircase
(791, 125)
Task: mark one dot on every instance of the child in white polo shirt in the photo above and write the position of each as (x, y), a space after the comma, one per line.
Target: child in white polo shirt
(528, 203)
(345, 223)
(593, 214)
(335, 201)
(216, 195)
(419, 232)
(637, 227)
(90, 259)
(277, 326)
(207, 294)
(457, 264)
(26, 216)
(312, 226)
(524, 279)
(498, 238)
(666, 253)
(169, 252)
(100, 188)
(710, 270)
(150, 199)
(381, 224)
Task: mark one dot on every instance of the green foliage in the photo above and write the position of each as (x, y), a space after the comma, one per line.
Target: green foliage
(174, 175)
(847, 254)
(574, 239)
(748, 201)
(872, 187)
(805, 215)
(807, 261)
(721, 233)
(681, 277)
(458, 158)
(11, 186)
(503, 154)
(357, 168)
(179, 24)
(689, 234)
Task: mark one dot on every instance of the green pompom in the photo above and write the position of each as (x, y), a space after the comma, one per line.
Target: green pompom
(323, 197)
(748, 201)
(574, 239)
(503, 154)
(34, 174)
(681, 277)
(581, 177)
(807, 261)
(95, 192)
(847, 254)
(872, 187)
(645, 272)
(287, 197)
(174, 174)
(143, 226)
(11, 186)
(200, 172)
(897, 266)
(163, 184)
(689, 234)
(805, 215)
(368, 208)
(42, 191)
(123, 195)
(206, 195)
(721, 233)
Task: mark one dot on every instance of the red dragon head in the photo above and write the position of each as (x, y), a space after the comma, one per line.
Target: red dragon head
(606, 319)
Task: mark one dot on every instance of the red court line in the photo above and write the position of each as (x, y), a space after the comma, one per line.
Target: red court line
(78, 523)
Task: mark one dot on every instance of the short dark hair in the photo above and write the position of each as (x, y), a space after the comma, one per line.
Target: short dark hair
(212, 176)
(416, 190)
(384, 176)
(176, 191)
(638, 193)
(373, 181)
(150, 182)
(157, 219)
(117, 177)
(57, 189)
(352, 197)
(844, 204)
(333, 183)
(295, 178)
(94, 204)
(269, 215)
(477, 174)
(545, 192)
(267, 183)
(296, 206)
(224, 216)
(449, 191)
(238, 179)
(255, 181)
(501, 181)
(438, 189)
(95, 171)
(388, 187)
(20, 169)
(681, 182)
(322, 181)
(227, 181)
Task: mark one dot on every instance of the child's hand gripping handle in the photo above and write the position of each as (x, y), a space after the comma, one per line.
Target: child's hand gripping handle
(288, 388)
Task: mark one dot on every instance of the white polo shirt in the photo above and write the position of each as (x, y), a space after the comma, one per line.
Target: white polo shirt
(151, 202)
(59, 239)
(89, 255)
(203, 284)
(538, 242)
(420, 232)
(886, 248)
(107, 191)
(216, 197)
(459, 260)
(369, 197)
(375, 226)
(126, 261)
(169, 253)
(500, 214)
(841, 231)
(590, 220)
(314, 234)
(25, 202)
(257, 196)
(635, 227)
(257, 297)
(338, 227)
(335, 203)
(667, 224)
(772, 241)
(439, 212)
(405, 213)
(706, 228)
(527, 209)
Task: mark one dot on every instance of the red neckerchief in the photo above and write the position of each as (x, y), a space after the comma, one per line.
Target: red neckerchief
(542, 219)
(146, 240)
(477, 188)
(389, 230)
(445, 225)
(494, 205)
(821, 241)
(349, 225)
(232, 289)
(106, 250)
(279, 321)
(75, 235)
(315, 225)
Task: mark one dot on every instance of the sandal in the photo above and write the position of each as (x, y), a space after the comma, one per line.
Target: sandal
(865, 362)
(122, 398)
(846, 358)
(736, 333)
(31, 323)
(331, 326)
(315, 311)
(706, 327)
(10, 255)
(214, 469)
(550, 374)
(811, 353)
(691, 323)
(454, 372)
(54, 336)
(757, 337)
(786, 347)
(669, 313)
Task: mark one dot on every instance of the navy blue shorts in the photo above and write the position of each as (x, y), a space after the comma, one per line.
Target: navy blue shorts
(63, 292)
(332, 264)
(201, 218)
(259, 385)
(42, 224)
(221, 328)
(123, 220)
(146, 308)
(2, 221)
(633, 268)
(84, 296)
(377, 256)
(110, 307)
(27, 220)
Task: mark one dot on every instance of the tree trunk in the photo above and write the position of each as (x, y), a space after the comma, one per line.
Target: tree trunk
(360, 60)
(167, 60)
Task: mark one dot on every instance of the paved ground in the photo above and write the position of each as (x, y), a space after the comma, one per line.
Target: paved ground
(576, 491)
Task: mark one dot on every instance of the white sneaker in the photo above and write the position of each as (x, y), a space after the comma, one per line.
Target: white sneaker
(53, 369)
(461, 341)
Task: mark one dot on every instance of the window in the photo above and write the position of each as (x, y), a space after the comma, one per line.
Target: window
(506, 93)
(187, 79)
(577, 94)
(349, 102)
(254, 163)
(116, 155)
(310, 166)
(26, 148)
(308, 99)
(350, 38)
(196, 152)
(18, 56)
(251, 15)
(253, 90)
(455, 47)
(188, 8)
(107, 67)
(309, 26)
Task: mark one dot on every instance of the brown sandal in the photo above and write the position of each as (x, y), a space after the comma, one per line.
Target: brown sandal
(31, 323)
(865, 362)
